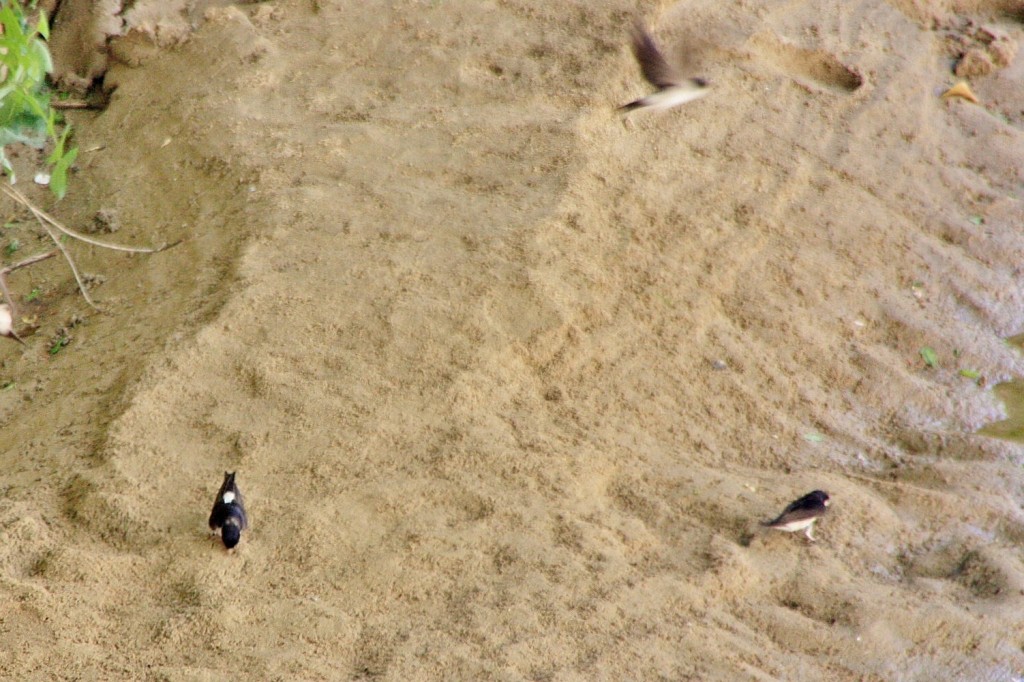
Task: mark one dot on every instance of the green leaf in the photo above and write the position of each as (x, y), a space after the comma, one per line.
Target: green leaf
(59, 344)
(59, 176)
(6, 165)
(58, 147)
(25, 112)
(976, 219)
(930, 357)
(12, 27)
(12, 247)
(813, 437)
(970, 373)
(33, 295)
(43, 63)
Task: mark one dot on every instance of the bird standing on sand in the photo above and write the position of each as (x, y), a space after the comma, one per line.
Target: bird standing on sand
(7, 323)
(801, 514)
(672, 89)
(228, 517)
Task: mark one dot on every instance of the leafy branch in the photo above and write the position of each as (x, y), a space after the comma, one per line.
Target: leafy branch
(26, 115)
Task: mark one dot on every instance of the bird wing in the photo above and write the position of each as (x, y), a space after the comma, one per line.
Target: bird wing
(656, 70)
(241, 515)
(223, 512)
(814, 501)
(236, 508)
(791, 515)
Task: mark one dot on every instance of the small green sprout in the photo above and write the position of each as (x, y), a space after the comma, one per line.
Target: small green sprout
(59, 345)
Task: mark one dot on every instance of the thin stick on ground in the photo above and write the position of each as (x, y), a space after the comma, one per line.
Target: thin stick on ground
(71, 264)
(49, 224)
(16, 266)
(43, 216)
(72, 104)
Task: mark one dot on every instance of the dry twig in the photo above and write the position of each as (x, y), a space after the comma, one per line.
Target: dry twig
(50, 224)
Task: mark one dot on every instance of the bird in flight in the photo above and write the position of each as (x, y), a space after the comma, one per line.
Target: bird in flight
(672, 88)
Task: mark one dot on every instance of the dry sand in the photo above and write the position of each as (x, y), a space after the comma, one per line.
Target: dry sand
(461, 332)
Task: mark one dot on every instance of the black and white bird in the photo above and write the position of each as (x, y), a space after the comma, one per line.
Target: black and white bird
(228, 518)
(673, 89)
(7, 324)
(801, 514)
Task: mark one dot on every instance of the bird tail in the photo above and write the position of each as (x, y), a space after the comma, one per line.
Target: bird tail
(635, 104)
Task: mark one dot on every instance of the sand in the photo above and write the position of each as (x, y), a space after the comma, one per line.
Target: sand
(509, 384)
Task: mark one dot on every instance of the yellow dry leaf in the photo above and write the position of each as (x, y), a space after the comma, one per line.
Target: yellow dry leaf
(961, 90)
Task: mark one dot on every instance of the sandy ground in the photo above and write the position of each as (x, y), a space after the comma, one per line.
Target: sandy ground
(509, 384)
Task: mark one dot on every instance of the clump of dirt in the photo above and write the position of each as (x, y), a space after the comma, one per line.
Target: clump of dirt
(88, 34)
(993, 49)
(79, 40)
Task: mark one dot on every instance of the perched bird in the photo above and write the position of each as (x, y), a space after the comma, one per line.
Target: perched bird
(672, 88)
(801, 514)
(228, 517)
(7, 323)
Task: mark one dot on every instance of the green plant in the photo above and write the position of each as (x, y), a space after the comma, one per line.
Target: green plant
(59, 343)
(27, 116)
(25, 112)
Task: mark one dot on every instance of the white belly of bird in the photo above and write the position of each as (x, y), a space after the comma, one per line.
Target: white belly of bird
(794, 526)
(673, 97)
(6, 322)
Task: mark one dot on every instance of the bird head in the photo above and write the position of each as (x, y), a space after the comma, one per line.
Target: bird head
(230, 534)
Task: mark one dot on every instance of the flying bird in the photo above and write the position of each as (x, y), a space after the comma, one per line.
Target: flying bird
(7, 323)
(801, 514)
(228, 518)
(672, 88)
